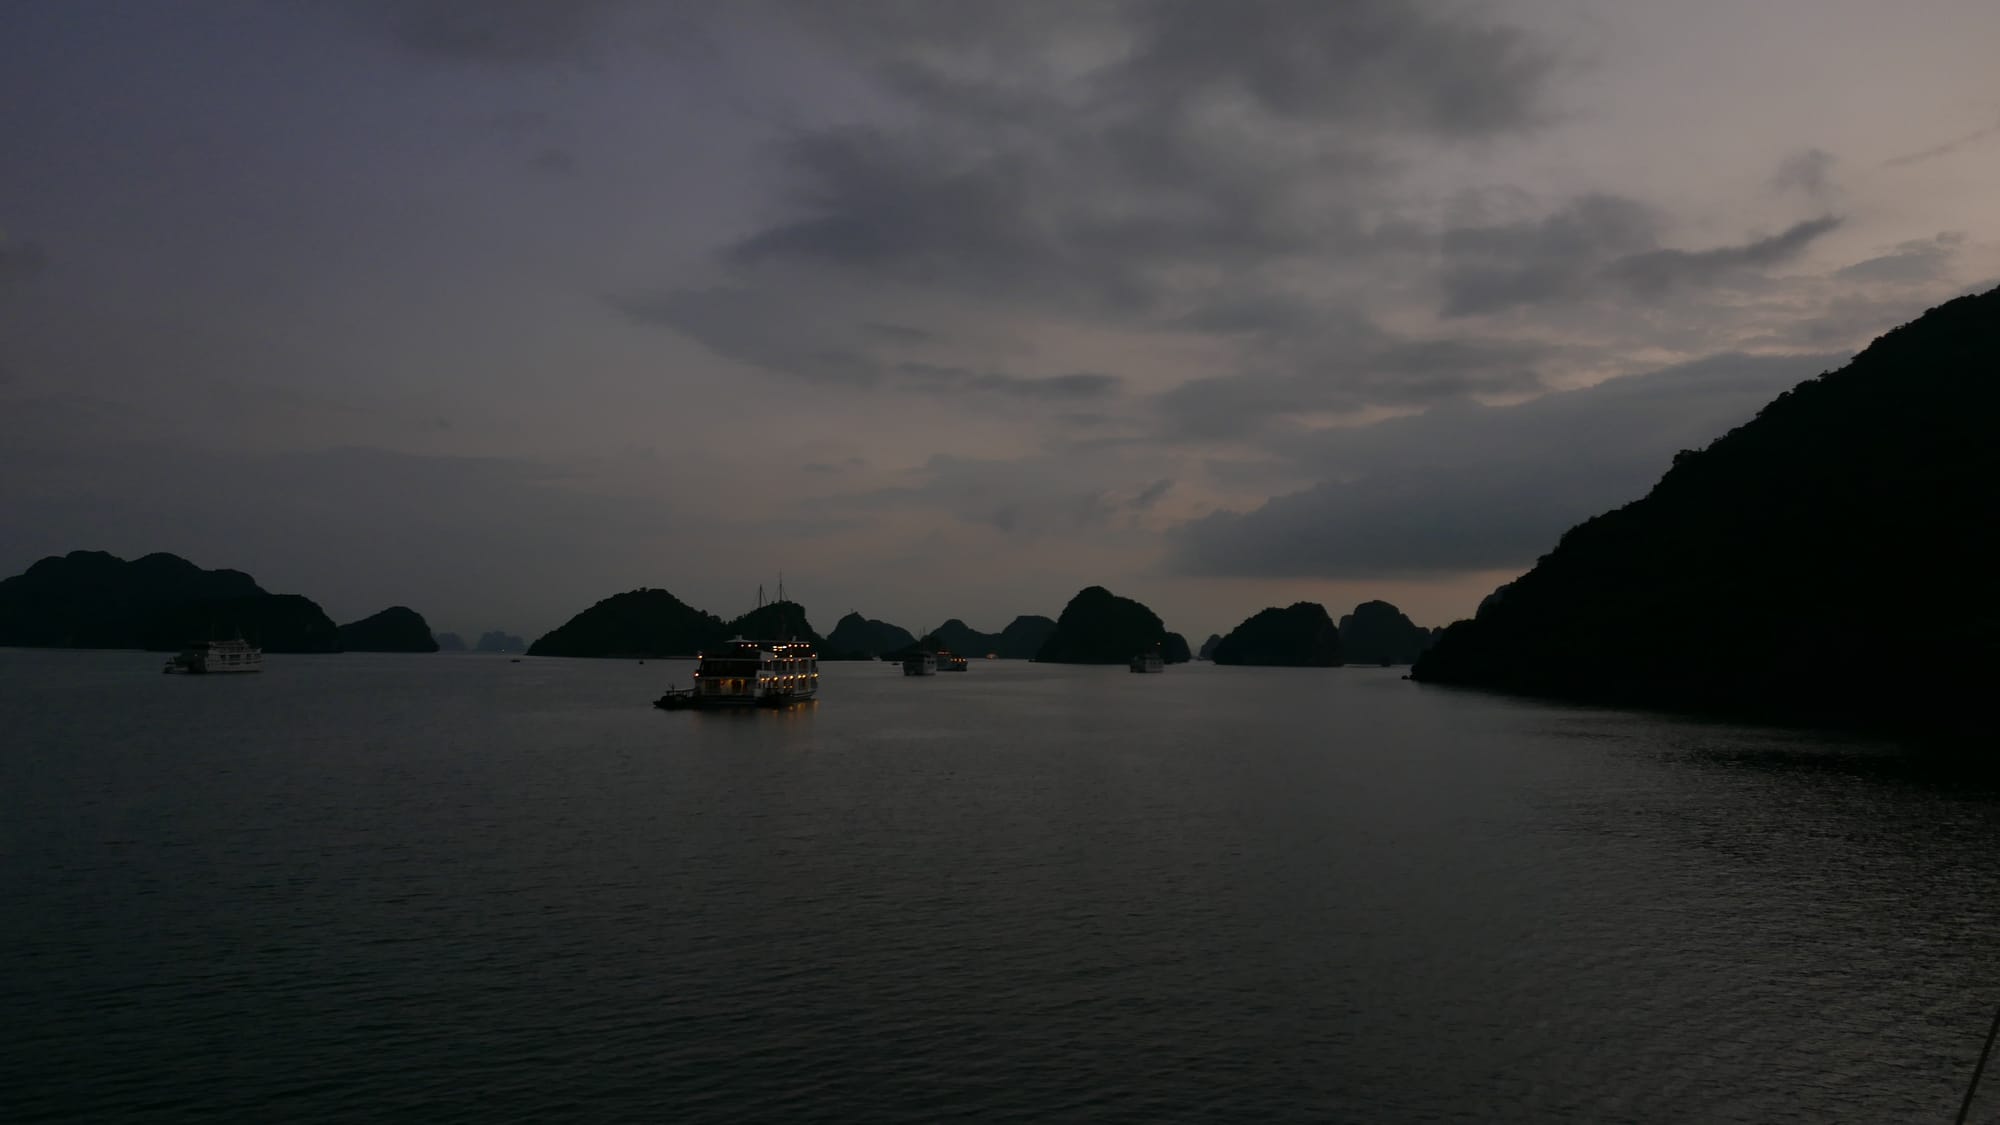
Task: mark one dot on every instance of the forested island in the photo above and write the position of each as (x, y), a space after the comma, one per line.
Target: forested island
(1773, 572)
(1300, 635)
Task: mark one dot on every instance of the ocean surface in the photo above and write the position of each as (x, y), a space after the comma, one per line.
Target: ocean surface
(464, 889)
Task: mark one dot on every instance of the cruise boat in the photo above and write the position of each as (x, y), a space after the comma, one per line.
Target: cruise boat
(1149, 661)
(204, 657)
(950, 662)
(920, 664)
(744, 673)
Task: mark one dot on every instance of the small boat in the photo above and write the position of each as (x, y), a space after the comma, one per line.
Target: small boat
(202, 658)
(1148, 662)
(920, 664)
(748, 674)
(950, 662)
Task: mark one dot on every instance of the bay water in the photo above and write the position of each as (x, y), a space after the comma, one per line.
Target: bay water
(470, 889)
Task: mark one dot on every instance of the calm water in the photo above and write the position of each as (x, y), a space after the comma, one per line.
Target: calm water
(464, 889)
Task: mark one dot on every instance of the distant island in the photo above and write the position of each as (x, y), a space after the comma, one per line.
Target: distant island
(1022, 639)
(1099, 627)
(1741, 582)
(1207, 651)
(493, 640)
(855, 637)
(396, 629)
(1378, 633)
(654, 623)
(1300, 635)
(91, 599)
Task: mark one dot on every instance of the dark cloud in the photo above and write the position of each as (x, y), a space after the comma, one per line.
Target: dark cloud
(1945, 149)
(1386, 372)
(1493, 268)
(737, 323)
(1079, 385)
(1465, 487)
(943, 379)
(1151, 494)
(1136, 161)
(1809, 171)
(1387, 63)
(1919, 260)
(1592, 241)
(1655, 272)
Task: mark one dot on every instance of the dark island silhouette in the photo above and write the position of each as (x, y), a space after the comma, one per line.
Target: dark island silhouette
(855, 637)
(91, 599)
(1742, 582)
(1022, 639)
(396, 629)
(653, 623)
(1379, 633)
(1302, 635)
(1099, 627)
(493, 640)
(642, 622)
(1207, 651)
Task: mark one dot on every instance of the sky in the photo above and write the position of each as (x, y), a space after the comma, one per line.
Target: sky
(494, 308)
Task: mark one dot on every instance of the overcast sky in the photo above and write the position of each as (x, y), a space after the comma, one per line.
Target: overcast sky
(497, 307)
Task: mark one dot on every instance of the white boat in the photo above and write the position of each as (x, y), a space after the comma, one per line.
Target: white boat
(752, 674)
(1148, 662)
(920, 664)
(234, 655)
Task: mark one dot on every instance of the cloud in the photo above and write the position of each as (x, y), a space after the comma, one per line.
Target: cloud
(1151, 494)
(1571, 254)
(1655, 272)
(828, 347)
(1919, 260)
(1809, 171)
(1492, 268)
(1381, 62)
(1138, 166)
(1945, 149)
(1346, 380)
(1464, 487)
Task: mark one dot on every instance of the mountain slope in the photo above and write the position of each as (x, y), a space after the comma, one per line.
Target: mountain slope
(1099, 627)
(1779, 571)
(90, 599)
(1301, 635)
(396, 629)
(643, 622)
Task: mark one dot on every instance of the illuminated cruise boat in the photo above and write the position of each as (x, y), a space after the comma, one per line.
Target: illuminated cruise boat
(237, 655)
(744, 673)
